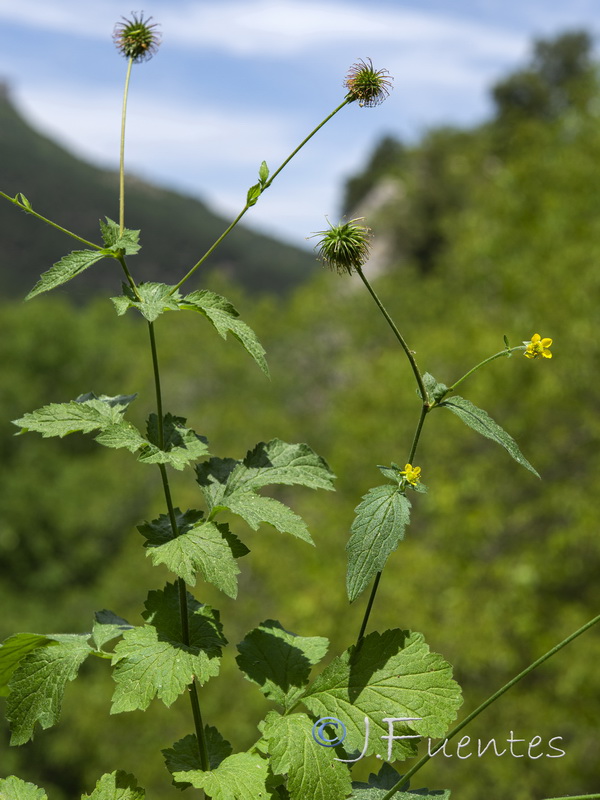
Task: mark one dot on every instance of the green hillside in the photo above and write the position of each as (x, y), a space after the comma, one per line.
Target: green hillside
(491, 231)
(76, 194)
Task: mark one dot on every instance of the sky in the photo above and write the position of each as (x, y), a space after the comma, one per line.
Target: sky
(237, 82)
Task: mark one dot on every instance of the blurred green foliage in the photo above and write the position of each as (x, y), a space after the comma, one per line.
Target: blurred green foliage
(496, 567)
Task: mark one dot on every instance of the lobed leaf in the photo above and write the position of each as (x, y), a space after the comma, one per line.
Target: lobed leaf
(225, 319)
(239, 777)
(311, 769)
(199, 546)
(107, 626)
(389, 675)
(38, 683)
(12, 651)
(180, 447)
(151, 300)
(13, 788)
(126, 242)
(278, 661)
(155, 661)
(184, 756)
(377, 530)
(85, 414)
(379, 785)
(65, 270)
(480, 421)
(117, 785)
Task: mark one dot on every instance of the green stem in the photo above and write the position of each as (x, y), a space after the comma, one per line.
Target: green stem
(30, 210)
(122, 151)
(398, 335)
(577, 797)
(181, 586)
(247, 206)
(506, 352)
(458, 728)
(367, 613)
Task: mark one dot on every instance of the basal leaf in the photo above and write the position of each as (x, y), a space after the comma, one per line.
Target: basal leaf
(311, 769)
(13, 650)
(117, 785)
(377, 530)
(225, 318)
(391, 675)
(13, 788)
(38, 683)
(64, 270)
(279, 661)
(200, 546)
(128, 241)
(185, 754)
(480, 421)
(154, 299)
(154, 661)
(239, 777)
(87, 413)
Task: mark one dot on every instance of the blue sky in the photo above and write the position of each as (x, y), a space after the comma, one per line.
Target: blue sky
(239, 81)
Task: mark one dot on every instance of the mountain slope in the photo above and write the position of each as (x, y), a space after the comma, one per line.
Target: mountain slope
(176, 230)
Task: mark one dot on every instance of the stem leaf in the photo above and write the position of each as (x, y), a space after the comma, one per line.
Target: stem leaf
(117, 785)
(278, 661)
(390, 674)
(377, 530)
(480, 421)
(238, 777)
(13, 788)
(185, 754)
(225, 318)
(126, 243)
(153, 660)
(200, 546)
(85, 414)
(65, 270)
(152, 300)
(310, 768)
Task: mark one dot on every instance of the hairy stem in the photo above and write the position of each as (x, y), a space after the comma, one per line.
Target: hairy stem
(507, 352)
(181, 586)
(122, 150)
(228, 230)
(458, 728)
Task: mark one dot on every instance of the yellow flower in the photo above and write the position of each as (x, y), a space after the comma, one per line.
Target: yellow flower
(538, 347)
(411, 474)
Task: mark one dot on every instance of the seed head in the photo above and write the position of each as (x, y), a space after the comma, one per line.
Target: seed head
(344, 247)
(136, 38)
(366, 84)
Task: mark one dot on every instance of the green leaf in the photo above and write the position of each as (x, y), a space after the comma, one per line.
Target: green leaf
(255, 509)
(239, 777)
(154, 661)
(64, 270)
(12, 651)
(279, 661)
(267, 464)
(185, 754)
(377, 530)
(311, 769)
(12, 788)
(86, 414)
(154, 299)
(181, 445)
(379, 785)
(480, 421)
(200, 546)
(117, 785)
(390, 675)
(254, 192)
(37, 685)
(107, 626)
(225, 318)
(127, 242)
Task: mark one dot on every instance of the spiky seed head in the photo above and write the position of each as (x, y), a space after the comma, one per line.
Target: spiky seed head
(366, 84)
(344, 247)
(136, 38)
